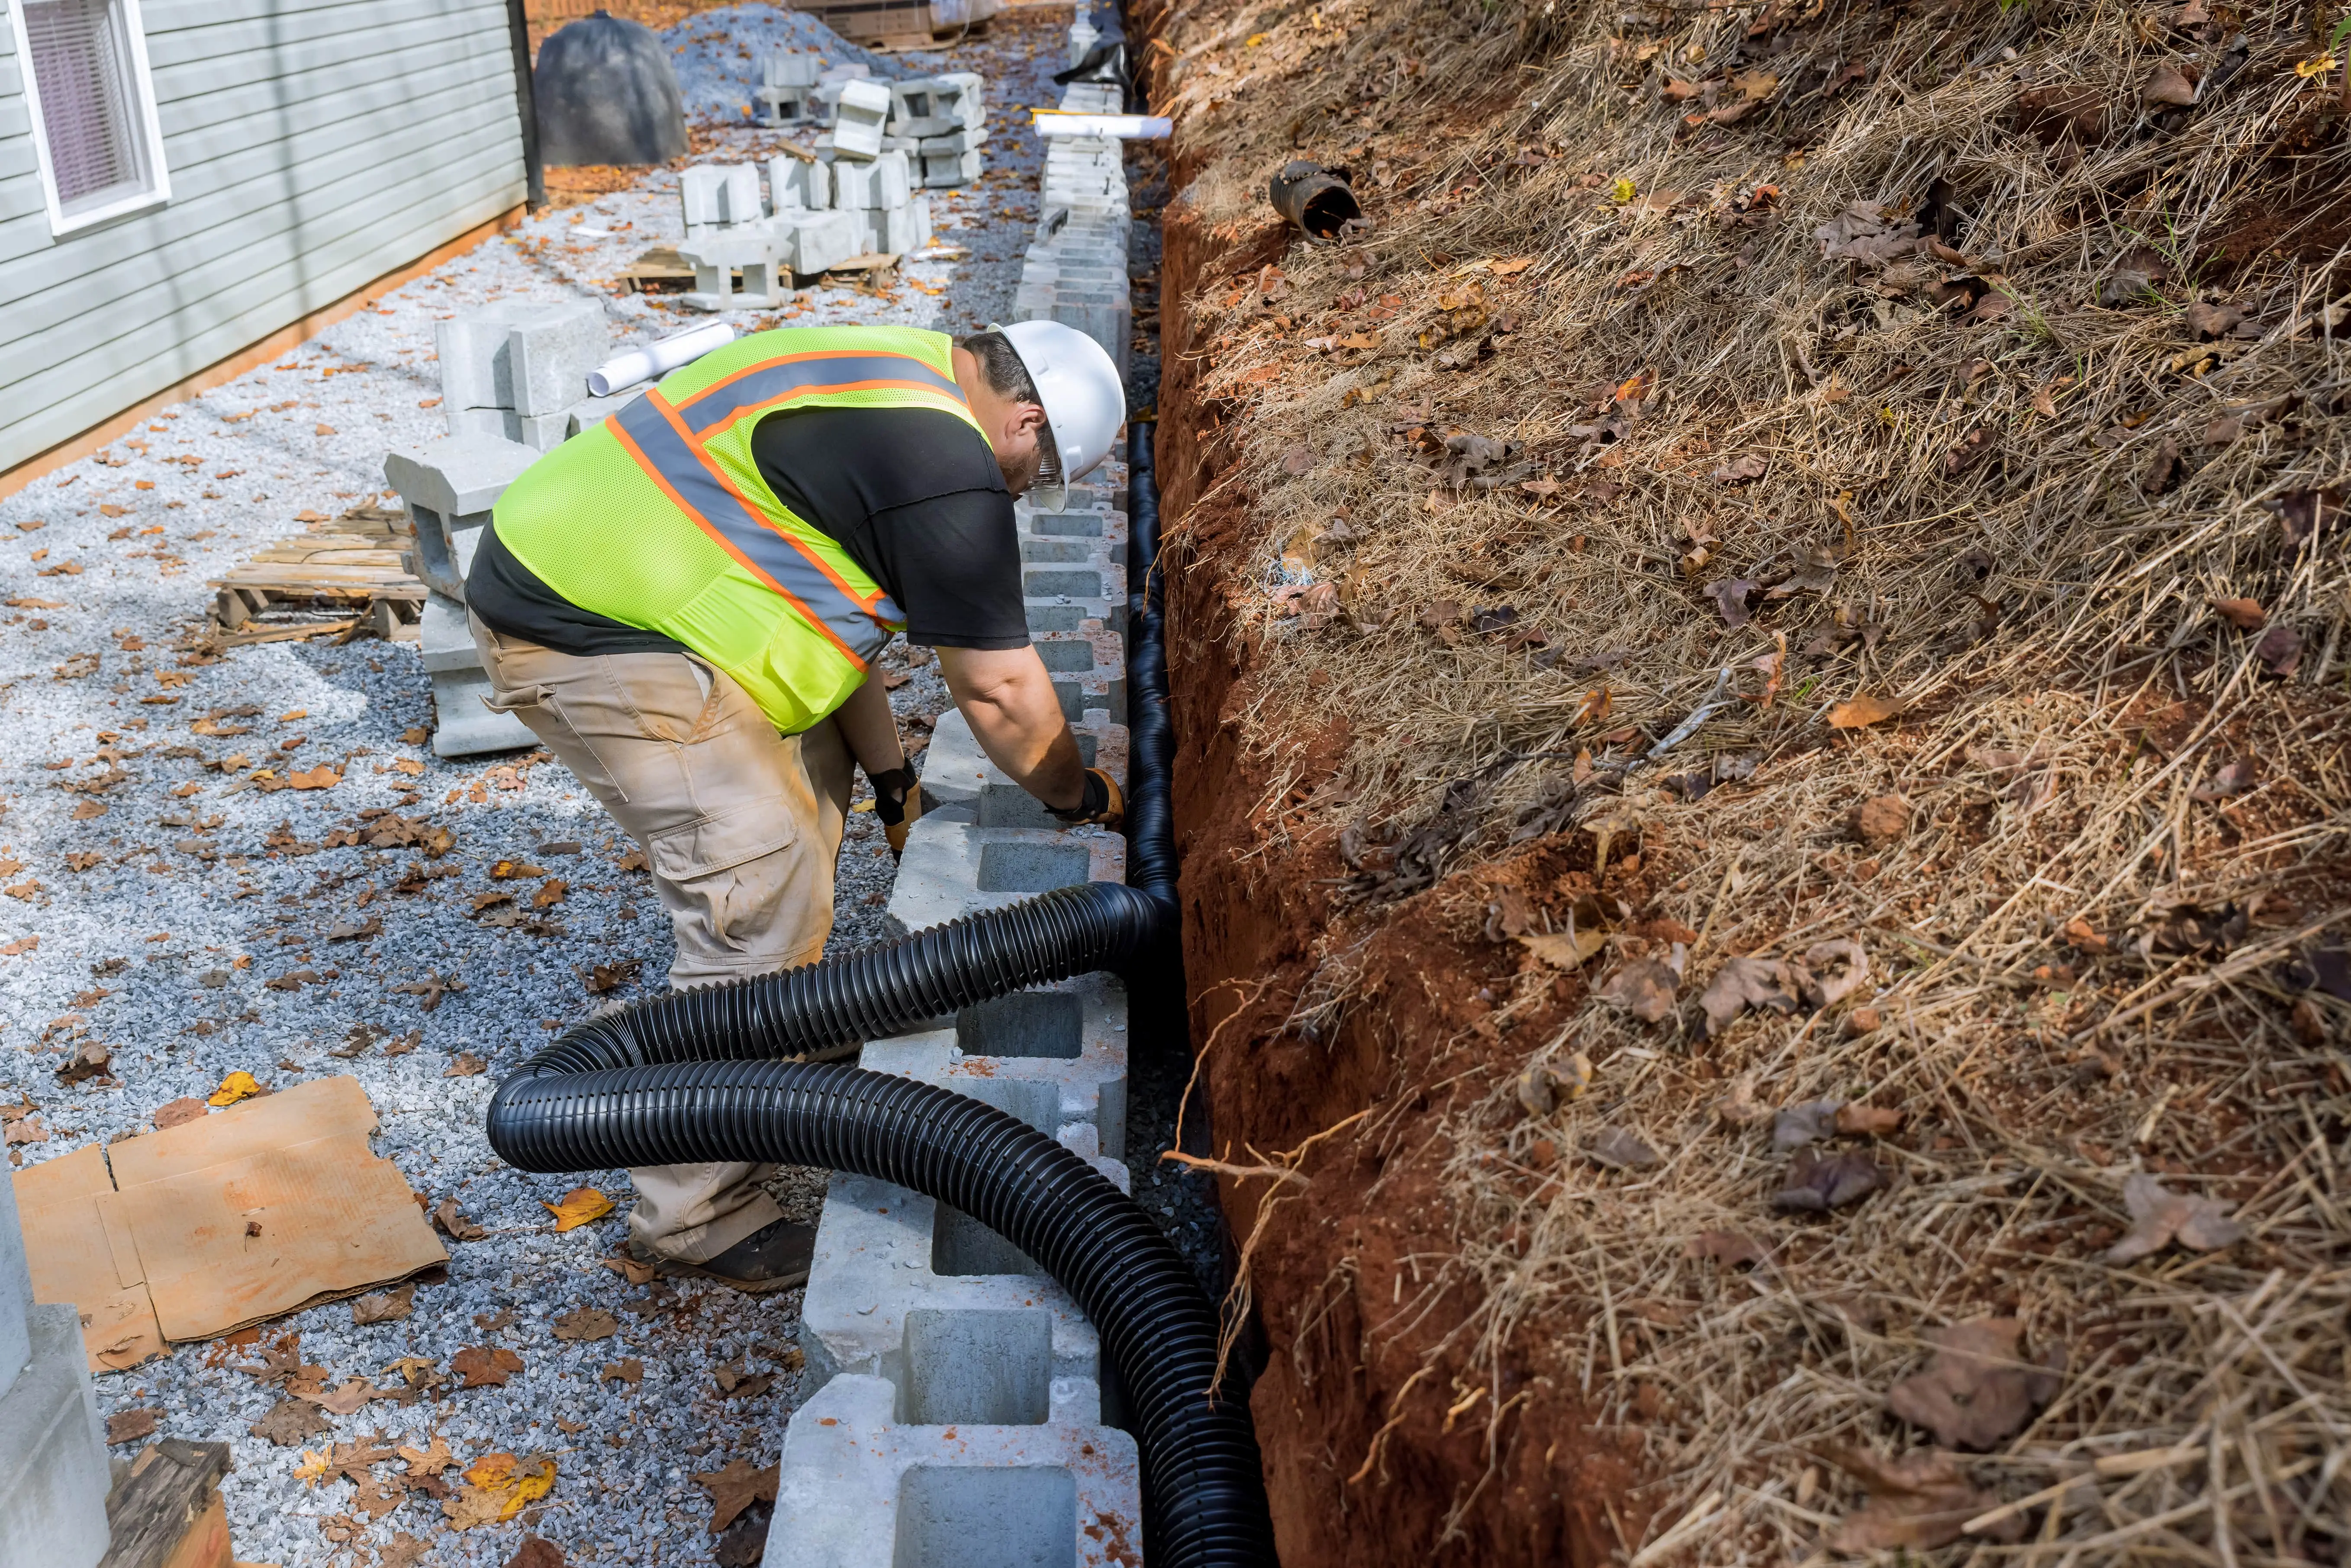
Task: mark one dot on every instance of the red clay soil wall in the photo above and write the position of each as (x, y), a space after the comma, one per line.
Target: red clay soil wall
(1473, 1464)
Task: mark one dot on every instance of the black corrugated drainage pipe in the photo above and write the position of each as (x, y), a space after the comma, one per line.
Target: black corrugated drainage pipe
(691, 1076)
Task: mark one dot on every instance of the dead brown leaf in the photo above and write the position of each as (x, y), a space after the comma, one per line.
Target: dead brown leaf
(1644, 988)
(2244, 614)
(628, 1370)
(290, 1422)
(466, 1064)
(1917, 1501)
(384, 1306)
(1742, 470)
(587, 1323)
(1861, 710)
(1869, 1120)
(611, 976)
(456, 1226)
(736, 1487)
(484, 1367)
(2169, 86)
(2281, 650)
(2160, 1217)
(1743, 983)
(181, 1110)
(1817, 1184)
(1977, 1390)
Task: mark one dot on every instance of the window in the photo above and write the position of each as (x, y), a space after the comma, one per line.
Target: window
(84, 64)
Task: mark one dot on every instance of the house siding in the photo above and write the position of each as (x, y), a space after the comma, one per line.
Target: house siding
(314, 146)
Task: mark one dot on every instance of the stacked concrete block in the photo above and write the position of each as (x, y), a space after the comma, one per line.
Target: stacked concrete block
(720, 195)
(799, 185)
(858, 115)
(53, 1476)
(961, 785)
(944, 121)
(959, 1413)
(865, 1487)
(816, 242)
(449, 487)
(512, 371)
(1075, 271)
(788, 86)
(759, 250)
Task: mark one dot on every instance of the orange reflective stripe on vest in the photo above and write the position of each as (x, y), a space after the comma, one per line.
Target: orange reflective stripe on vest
(668, 442)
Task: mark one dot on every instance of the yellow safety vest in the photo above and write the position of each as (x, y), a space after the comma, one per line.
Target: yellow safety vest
(658, 518)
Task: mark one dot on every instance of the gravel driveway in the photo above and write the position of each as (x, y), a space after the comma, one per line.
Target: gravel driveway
(176, 895)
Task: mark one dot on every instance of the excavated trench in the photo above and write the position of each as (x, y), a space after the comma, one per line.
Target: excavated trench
(1339, 1308)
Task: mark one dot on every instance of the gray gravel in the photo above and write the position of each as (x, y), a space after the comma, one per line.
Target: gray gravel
(156, 927)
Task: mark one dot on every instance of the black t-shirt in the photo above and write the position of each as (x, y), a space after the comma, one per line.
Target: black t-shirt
(912, 495)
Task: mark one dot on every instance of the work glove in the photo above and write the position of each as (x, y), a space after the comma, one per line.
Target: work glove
(897, 802)
(1103, 805)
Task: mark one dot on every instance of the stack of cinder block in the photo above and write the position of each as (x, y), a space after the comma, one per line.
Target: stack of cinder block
(515, 371)
(961, 1414)
(826, 211)
(53, 1468)
(449, 487)
(788, 86)
(1075, 271)
(943, 121)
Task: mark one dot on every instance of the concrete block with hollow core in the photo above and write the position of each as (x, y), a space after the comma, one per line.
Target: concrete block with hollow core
(952, 869)
(448, 487)
(864, 1486)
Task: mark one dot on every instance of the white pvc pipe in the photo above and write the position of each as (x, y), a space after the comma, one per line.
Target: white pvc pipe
(658, 357)
(1117, 127)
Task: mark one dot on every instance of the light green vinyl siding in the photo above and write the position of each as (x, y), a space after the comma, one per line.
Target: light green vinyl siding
(314, 145)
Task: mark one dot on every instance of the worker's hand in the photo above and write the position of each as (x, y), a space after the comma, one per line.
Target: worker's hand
(1101, 805)
(897, 802)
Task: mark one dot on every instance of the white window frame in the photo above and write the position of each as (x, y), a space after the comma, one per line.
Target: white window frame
(148, 131)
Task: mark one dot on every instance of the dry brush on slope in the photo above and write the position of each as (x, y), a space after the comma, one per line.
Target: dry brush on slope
(1761, 666)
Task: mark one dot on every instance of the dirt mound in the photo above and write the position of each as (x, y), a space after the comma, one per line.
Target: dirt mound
(1761, 672)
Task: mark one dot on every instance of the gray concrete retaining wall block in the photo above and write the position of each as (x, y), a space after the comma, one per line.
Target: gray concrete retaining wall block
(757, 250)
(1089, 670)
(858, 115)
(944, 170)
(550, 352)
(463, 725)
(449, 487)
(815, 241)
(861, 1489)
(590, 413)
(960, 783)
(1056, 1057)
(532, 359)
(715, 195)
(891, 1264)
(798, 183)
(53, 1472)
(881, 183)
(956, 868)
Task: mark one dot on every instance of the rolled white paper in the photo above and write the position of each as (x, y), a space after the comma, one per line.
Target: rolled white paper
(1119, 127)
(658, 357)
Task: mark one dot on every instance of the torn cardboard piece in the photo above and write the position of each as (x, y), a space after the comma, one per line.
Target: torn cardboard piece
(271, 1206)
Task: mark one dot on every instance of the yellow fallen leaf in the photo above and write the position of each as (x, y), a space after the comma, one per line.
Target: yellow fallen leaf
(312, 1469)
(1863, 709)
(499, 1486)
(1509, 264)
(322, 777)
(2319, 67)
(1560, 950)
(1621, 191)
(237, 1086)
(579, 1206)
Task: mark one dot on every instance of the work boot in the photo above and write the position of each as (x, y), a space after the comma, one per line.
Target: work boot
(774, 1257)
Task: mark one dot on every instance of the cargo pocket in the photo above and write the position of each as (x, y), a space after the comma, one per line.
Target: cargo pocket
(733, 881)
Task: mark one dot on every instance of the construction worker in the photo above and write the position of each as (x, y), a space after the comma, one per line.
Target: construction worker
(685, 604)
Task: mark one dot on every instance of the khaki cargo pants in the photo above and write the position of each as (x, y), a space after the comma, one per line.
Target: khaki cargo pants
(740, 828)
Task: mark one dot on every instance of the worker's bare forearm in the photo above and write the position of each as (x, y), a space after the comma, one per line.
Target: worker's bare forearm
(869, 728)
(1016, 716)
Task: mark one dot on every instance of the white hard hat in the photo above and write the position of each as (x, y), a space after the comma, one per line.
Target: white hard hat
(1085, 402)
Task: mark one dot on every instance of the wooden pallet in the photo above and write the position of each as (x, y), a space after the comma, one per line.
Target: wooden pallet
(348, 570)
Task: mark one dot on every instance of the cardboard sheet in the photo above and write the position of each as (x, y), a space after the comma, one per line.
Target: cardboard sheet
(268, 1206)
(71, 1228)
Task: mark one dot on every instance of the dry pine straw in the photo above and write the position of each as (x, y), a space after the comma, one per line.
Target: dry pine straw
(2042, 619)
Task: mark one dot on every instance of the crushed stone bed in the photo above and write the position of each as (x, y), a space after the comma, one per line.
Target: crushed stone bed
(200, 886)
